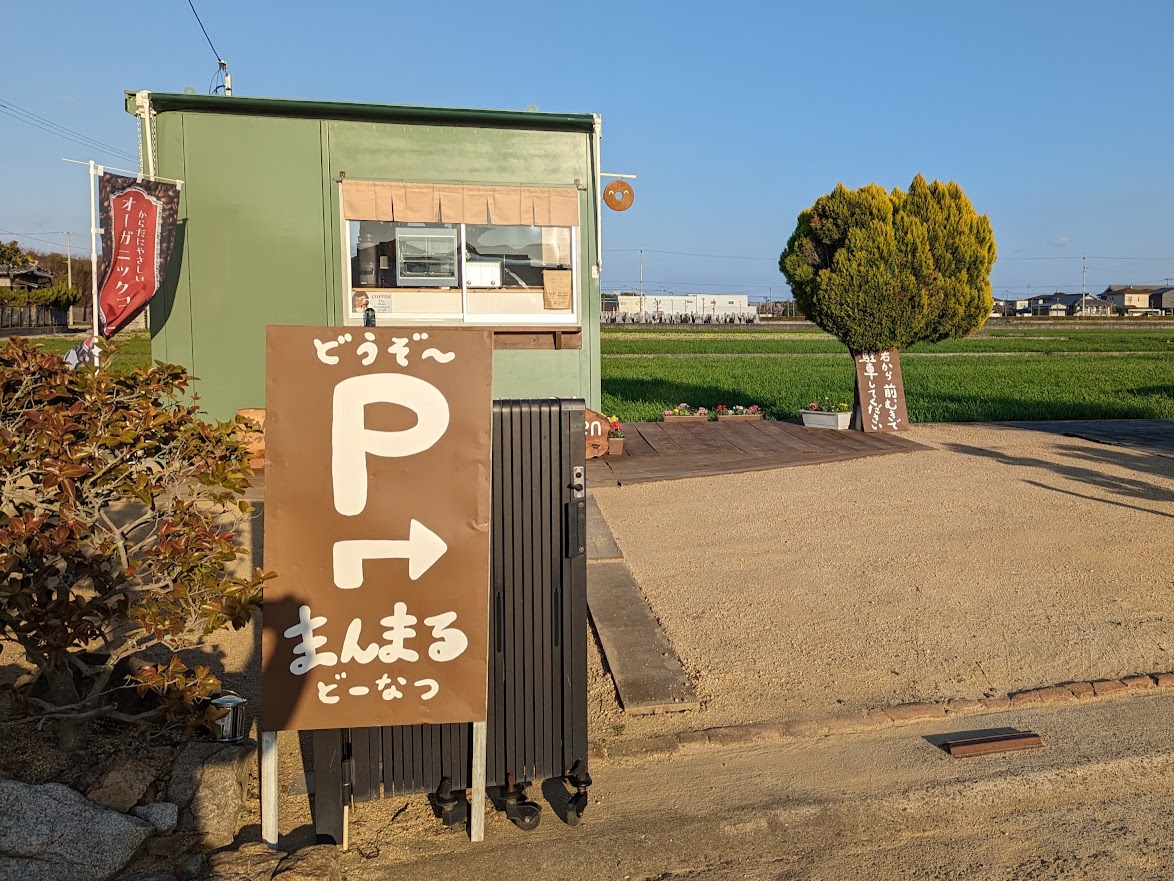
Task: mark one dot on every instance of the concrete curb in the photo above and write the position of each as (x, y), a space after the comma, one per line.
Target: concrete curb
(868, 720)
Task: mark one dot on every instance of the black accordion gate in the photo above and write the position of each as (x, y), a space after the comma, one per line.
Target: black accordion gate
(537, 712)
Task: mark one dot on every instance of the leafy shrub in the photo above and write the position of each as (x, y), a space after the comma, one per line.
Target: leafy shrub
(57, 295)
(117, 510)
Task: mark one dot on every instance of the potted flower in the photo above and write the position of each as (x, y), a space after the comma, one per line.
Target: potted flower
(738, 413)
(685, 413)
(828, 413)
(615, 436)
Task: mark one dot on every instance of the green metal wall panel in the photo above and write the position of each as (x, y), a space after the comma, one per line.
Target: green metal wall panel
(518, 373)
(253, 247)
(260, 235)
(458, 154)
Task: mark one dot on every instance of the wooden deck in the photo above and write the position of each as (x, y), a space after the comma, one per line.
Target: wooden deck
(659, 451)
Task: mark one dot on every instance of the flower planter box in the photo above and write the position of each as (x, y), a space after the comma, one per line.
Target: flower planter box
(826, 419)
(615, 446)
(740, 417)
(686, 418)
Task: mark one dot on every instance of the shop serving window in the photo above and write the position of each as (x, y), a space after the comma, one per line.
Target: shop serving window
(485, 255)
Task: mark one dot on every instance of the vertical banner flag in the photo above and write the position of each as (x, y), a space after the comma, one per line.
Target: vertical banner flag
(138, 220)
(377, 512)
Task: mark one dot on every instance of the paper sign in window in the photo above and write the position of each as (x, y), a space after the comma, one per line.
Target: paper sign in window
(556, 289)
(556, 246)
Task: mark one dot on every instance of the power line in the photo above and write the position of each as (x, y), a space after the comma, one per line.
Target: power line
(690, 284)
(773, 259)
(212, 88)
(32, 117)
(682, 254)
(21, 235)
(708, 256)
(205, 30)
(45, 125)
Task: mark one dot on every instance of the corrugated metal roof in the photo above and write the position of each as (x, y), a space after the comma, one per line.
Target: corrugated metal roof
(521, 119)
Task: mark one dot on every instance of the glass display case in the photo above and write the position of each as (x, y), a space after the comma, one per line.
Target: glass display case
(425, 257)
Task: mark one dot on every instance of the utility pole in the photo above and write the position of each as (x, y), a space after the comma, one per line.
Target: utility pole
(641, 273)
(68, 259)
(1083, 285)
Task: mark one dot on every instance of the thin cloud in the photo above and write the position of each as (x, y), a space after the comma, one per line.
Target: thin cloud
(1059, 241)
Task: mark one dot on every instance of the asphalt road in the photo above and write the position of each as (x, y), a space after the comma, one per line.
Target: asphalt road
(1093, 803)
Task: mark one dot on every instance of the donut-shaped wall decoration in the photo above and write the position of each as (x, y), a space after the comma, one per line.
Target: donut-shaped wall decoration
(618, 195)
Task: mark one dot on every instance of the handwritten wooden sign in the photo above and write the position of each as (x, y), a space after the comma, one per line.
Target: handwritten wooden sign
(595, 429)
(377, 524)
(882, 392)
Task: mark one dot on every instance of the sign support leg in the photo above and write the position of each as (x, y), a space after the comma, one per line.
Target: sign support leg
(477, 797)
(269, 788)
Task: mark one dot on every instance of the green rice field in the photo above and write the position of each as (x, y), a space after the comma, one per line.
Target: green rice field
(754, 342)
(1006, 374)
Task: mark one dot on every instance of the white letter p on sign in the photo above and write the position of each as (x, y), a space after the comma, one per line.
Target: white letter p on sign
(352, 440)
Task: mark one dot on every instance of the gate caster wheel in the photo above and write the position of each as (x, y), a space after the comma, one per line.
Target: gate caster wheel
(526, 816)
(519, 810)
(575, 808)
(454, 806)
(457, 816)
(577, 804)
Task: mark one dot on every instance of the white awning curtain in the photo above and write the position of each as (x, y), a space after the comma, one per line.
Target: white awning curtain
(447, 203)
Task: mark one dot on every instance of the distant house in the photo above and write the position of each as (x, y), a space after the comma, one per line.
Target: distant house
(1162, 300)
(1131, 299)
(1010, 308)
(1046, 305)
(1061, 304)
(24, 277)
(1086, 304)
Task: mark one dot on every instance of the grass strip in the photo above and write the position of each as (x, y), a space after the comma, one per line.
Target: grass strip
(765, 343)
(133, 349)
(937, 389)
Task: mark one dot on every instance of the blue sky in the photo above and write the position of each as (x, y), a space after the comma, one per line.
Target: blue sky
(1055, 117)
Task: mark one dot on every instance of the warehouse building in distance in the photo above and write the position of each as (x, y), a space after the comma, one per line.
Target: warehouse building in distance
(664, 308)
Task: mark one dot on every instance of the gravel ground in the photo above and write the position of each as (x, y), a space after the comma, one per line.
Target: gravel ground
(1001, 560)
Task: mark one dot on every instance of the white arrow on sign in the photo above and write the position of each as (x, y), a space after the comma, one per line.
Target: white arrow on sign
(422, 549)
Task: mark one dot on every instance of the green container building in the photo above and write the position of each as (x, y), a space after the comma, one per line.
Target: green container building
(313, 213)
